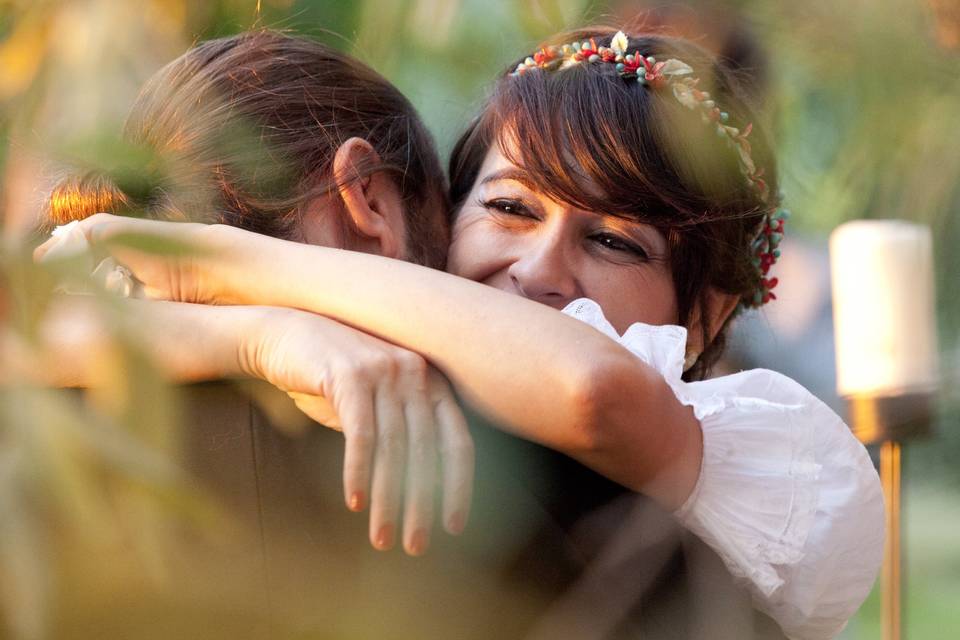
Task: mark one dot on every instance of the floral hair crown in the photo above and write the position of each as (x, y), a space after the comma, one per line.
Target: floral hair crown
(677, 75)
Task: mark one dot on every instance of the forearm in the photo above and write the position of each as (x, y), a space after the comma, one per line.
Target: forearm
(516, 360)
(193, 343)
(188, 343)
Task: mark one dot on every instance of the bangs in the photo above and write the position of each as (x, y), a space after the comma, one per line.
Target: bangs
(589, 138)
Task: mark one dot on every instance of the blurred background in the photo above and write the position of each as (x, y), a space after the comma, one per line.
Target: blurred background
(864, 103)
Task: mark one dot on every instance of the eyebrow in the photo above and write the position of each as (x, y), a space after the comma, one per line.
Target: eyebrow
(510, 173)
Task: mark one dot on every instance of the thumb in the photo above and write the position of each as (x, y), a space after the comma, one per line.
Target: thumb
(318, 409)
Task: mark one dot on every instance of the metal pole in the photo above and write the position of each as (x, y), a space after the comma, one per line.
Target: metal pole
(891, 576)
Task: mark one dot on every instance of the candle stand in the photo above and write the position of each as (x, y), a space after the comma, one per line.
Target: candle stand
(887, 360)
(888, 422)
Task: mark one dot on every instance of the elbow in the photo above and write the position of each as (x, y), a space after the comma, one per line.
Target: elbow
(595, 394)
(632, 429)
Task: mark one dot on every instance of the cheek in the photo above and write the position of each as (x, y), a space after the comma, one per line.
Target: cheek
(642, 294)
(477, 251)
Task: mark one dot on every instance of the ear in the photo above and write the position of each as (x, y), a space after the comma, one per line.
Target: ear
(372, 202)
(719, 307)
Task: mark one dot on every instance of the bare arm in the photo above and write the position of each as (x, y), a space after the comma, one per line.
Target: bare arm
(341, 377)
(540, 374)
(187, 342)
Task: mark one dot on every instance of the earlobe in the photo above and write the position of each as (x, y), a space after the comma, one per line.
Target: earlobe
(724, 305)
(372, 203)
(719, 308)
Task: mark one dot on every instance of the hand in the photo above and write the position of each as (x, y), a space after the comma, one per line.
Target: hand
(397, 413)
(178, 261)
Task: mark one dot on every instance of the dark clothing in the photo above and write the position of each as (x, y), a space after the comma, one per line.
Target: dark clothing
(552, 549)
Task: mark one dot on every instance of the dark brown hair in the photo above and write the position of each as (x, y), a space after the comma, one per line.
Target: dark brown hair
(243, 131)
(639, 154)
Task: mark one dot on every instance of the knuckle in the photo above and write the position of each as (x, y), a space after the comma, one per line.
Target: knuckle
(422, 449)
(362, 438)
(355, 373)
(95, 227)
(442, 393)
(411, 364)
(376, 365)
(98, 218)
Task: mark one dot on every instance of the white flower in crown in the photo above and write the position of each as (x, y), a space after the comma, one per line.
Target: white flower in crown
(620, 43)
(674, 67)
(684, 95)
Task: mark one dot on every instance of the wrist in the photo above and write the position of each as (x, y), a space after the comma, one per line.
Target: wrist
(251, 339)
(194, 342)
(209, 273)
(228, 273)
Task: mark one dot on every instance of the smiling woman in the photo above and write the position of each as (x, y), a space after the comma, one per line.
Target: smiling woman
(510, 235)
(649, 165)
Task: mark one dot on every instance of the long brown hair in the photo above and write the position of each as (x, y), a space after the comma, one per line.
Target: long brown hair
(243, 130)
(639, 154)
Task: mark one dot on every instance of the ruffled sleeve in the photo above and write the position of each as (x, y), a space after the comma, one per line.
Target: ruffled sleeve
(787, 496)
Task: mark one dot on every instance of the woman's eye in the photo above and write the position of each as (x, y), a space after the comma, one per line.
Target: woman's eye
(613, 243)
(509, 207)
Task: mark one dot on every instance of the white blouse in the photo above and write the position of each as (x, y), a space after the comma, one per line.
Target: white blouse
(787, 496)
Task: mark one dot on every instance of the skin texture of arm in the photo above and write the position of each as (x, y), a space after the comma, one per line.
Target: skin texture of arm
(187, 342)
(538, 373)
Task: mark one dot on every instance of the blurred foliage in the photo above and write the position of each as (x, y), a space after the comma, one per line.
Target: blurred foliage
(865, 97)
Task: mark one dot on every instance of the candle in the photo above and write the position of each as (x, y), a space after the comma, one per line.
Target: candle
(883, 308)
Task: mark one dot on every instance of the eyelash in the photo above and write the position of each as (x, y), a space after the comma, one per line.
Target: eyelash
(625, 247)
(503, 205)
(512, 207)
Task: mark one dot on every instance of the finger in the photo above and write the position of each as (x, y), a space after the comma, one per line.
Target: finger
(104, 228)
(388, 464)
(357, 416)
(317, 408)
(100, 228)
(96, 229)
(457, 458)
(151, 249)
(94, 237)
(65, 241)
(421, 474)
(42, 249)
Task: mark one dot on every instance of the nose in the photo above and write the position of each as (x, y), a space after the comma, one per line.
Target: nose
(543, 271)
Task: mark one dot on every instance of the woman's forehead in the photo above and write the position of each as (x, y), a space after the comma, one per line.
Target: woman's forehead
(495, 163)
(504, 161)
(503, 154)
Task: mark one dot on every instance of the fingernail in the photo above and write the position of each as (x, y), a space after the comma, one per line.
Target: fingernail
(356, 501)
(384, 539)
(456, 524)
(418, 543)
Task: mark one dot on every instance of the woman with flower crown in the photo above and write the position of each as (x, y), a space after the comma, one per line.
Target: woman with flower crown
(614, 210)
